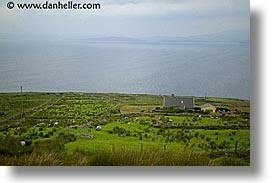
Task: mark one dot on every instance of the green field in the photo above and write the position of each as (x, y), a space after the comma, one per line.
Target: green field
(135, 130)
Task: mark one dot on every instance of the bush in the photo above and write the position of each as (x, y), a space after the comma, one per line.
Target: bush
(46, 136)
(222, 145)
(66, 137)
(28, 142)
(213, 145)
(115, 129)
(11, 146)
(121, 131)
(202, 136)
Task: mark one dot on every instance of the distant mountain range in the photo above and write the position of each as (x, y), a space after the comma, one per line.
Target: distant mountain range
(113, 39)
(221, 37)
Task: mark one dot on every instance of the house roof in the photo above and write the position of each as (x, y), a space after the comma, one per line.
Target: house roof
(173, 101)
(207, 106)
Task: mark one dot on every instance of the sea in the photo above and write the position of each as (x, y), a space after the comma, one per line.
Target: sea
(189, 69)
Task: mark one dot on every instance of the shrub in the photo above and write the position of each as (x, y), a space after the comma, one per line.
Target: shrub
(66, 137)
(28, 142)
(46, 136)
(128, 134)
(110, 131)
(60, 134)
(121, 131)
(222, 145)
(115, 129)
(213, 145)
(11, 146)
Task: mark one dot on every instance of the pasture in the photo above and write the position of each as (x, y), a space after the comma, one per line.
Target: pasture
(135, 130)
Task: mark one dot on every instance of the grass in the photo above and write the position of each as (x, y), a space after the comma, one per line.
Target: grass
(123, 140)
(120, 157)
(137, 109)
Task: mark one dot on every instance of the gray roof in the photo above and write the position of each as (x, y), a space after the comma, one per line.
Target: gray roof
(207, 106)
(183, 103)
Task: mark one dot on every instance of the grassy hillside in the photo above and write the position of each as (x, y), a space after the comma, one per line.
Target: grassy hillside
(60, 129)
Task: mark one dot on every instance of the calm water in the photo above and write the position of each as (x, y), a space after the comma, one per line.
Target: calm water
(220, 70)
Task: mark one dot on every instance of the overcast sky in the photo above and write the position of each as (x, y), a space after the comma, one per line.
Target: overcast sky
(131, 18)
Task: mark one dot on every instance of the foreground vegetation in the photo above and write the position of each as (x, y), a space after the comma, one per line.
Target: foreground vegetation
(61, 129)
